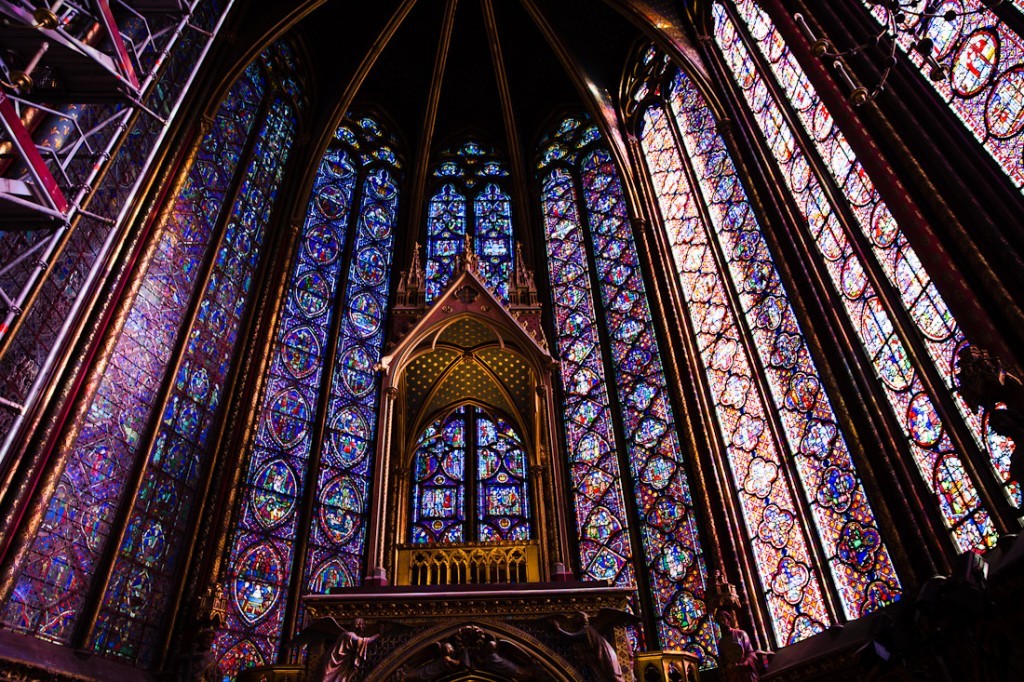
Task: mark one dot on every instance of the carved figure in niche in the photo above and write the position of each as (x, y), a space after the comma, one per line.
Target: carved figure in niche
(491, 655)
(471, 648)
(445, 662)
(739, 661)
(597, 650)
(345, 657)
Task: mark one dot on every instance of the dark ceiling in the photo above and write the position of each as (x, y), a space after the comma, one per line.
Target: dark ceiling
(593, 35)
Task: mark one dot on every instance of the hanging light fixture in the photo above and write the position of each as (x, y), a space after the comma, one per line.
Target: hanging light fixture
(902, 21)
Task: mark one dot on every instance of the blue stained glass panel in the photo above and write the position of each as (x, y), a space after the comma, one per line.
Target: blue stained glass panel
(492, 209)
(50, 592)
(338, 534)
(439, 485)
(446, 234)
(261, 546)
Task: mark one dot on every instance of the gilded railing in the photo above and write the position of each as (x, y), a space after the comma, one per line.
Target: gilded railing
(471, 563)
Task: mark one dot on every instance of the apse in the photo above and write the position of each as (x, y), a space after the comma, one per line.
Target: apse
(435, 325)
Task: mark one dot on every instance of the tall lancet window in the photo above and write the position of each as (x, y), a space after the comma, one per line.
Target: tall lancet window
(840, 208)
(589, 239)
(106, 559)
(813, 534)
(471, 195)
(469, 480)
(333, 308)
(983, 60)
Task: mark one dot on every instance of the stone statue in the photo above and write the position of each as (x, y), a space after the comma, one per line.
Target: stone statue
(344, 658)
(445, 662)
(601, 656)
(471, 648)
(347, 655)
(739, 661)
(986, 384)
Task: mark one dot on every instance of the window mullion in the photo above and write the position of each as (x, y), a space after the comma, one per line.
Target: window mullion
(303, 531)
(648, 610)
(905, 328)
(758, 374)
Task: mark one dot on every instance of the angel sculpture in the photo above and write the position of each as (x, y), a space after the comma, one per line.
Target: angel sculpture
(495, 656)
(599, 652)
(345, 657)
(446, 660)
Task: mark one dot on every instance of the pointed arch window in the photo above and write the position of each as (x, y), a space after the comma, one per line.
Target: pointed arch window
(813, 534)
(583, 205)
(469, 480)
(840, 207)
(166, 376)
(347, 239)
(472, 196)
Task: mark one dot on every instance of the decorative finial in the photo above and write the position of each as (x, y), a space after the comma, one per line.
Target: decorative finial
(469, 261)
(415, 266)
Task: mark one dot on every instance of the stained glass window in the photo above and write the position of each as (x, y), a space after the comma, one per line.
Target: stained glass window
(42, 320)
(672, 553)
(937, 458)
(815, 449)
(446, 232)
(470, 460)
(601, 521)
(354, 196)
(502, 502)
(473, 180)
(339, 530)
(439, 482)
(983, 59)
(51, 592)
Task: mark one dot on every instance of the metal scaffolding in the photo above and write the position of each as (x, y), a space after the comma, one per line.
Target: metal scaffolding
(77, 79)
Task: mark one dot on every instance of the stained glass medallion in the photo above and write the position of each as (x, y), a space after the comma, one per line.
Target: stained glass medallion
(781, 540)
(672, 552)
(276, 481)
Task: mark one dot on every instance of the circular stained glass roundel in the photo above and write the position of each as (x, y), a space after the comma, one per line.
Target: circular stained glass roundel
(311, 294)
(377, 220)
(138, 590)
(257, 583)
(274, 491)
(975, 63)
(884, 229)
(332, 201)
(590, 448)
(152, 543)
(923, 421)
(364, 314)
(340, 509)
(199, 384)
(300, 352)
(1004, 111)
(357, 371)
(322, 244)
(371, 265)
